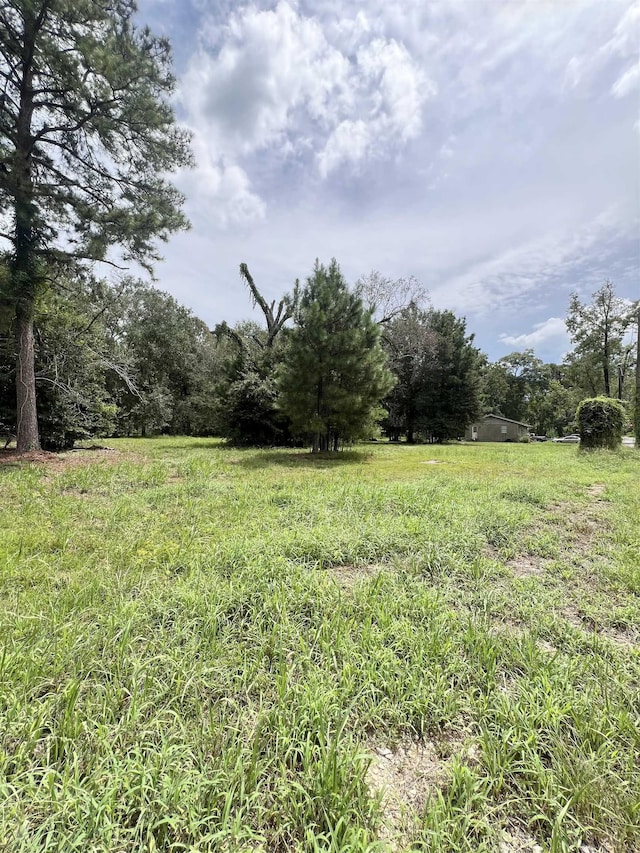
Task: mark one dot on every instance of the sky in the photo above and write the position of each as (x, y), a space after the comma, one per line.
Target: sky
(490, 148)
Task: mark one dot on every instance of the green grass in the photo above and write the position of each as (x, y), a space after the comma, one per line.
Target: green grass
(201, 648)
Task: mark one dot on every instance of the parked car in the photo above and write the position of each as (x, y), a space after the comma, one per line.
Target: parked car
(574, 438)
(534, 437)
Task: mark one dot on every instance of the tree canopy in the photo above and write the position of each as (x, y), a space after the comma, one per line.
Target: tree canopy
(437, 371)
(597, 331)
(334, 371)
(87, 136)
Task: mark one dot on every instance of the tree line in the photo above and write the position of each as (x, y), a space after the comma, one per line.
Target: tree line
(88, 139)
(602, 362)
(328, 365)
(128, 359)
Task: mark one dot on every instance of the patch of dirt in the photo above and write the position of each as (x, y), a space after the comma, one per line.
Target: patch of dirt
(578, 620)
(596, 489)
(522, 565)
(10, 456)
(348, 575)
(581, 524)
(403, 777)
(515, 840)
(526, 566)
(510, 629)
(59, 461)
(491, 552)
(434, 462)
(624, 637)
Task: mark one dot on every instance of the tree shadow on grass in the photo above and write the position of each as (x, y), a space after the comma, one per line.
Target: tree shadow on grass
(302, 459)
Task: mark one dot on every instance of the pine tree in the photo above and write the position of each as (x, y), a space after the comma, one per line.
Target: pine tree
(86, 137)
(334, 372)
(597, 331)
(450, 396)
(438, 375)
(636, 411)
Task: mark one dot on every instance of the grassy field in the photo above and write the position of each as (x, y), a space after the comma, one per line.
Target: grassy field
(429, 648)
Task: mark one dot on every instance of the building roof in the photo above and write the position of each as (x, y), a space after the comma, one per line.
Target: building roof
(507, 420)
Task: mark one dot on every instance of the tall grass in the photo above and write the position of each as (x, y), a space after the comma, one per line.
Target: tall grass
(202, 647)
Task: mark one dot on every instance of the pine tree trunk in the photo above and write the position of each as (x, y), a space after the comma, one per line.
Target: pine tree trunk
(637, 409)
(607, 385)
(27, 413)
(23, 267)
(318, 438)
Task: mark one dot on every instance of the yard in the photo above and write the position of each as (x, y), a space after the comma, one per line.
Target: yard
(431, 648)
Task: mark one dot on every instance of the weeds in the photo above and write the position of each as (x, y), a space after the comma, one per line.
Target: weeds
(202, 648)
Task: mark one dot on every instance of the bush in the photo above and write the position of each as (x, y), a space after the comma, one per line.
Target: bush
(601, 422)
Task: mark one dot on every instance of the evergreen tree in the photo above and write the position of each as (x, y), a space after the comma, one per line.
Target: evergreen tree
(334, 372)
(410, 343)
(450, 395)
(246, 393)
(72, 359)
(86, 137)
(437, 369)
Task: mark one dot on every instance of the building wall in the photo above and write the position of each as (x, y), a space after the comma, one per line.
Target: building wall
(491, 430)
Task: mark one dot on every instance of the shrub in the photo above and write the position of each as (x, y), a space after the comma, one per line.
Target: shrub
(601, 422)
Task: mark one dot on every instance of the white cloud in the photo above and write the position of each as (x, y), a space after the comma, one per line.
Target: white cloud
(627, 82)
(554, 327)
(218, 191)
(394, 85)
(572, 73)
(274, 79)
(584, 69)
(272, 64)
(390, 90)
(350, 142)
(624, 41)
(472, 143)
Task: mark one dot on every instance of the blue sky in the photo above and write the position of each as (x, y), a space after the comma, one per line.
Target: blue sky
(490, 148)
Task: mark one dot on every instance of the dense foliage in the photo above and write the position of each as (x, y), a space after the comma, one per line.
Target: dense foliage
(437, 372)
(601, 422)
(245, 392)
(167, 355)
(87, 137)
(112, 361)
(127, 359)
(334, 372)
